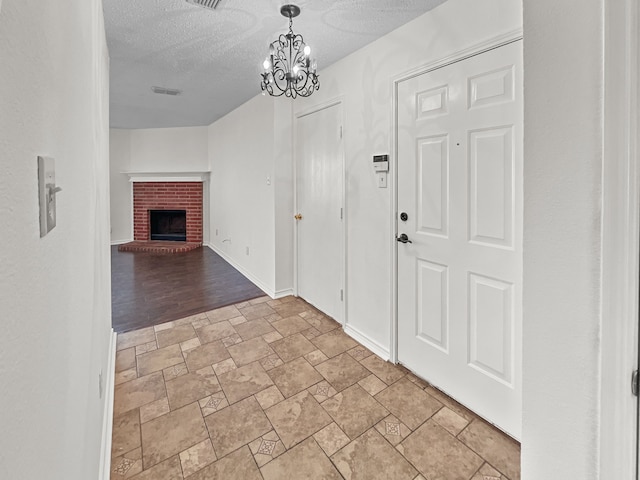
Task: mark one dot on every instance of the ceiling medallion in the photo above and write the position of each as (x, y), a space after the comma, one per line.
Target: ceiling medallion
(288, 70)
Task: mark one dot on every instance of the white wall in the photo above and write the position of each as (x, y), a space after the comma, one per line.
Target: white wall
(121, 208)
(620, 246)
(563, 64)
(364, 80)
(242, 152)
(150, 150)
(169, 149)
(54, 291)
(283, 196)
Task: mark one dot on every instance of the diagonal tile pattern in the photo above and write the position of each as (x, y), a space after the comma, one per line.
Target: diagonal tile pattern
(274, 389)
(171, 434)
(370, 454)
(354, 410)
(244, 382)
(156, 360)
(237, 425)
(191, 387)
(342, 371)
(292, 347)
(249, 351)
(408, 402)
(431, 448)
(295, 376)
(297, 418)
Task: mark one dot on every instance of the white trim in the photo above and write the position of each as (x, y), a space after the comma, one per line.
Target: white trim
(168, 176)
(120, 242)
(166, 179)
(339, 100)
(457, 56)
(259, 283)
(206, 205)
(283, 293)
(481, 47)
(345, 217)
(107, 417)
(318, 107)
(371, 344)
(294, 181)
(620, 242)
(133, 228)
(393, 254)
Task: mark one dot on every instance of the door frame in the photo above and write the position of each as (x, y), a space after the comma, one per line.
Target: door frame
(339, 100)
(477, 49)
(620, 241)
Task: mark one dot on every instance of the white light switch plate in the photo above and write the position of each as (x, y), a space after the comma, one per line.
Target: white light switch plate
(47, 192)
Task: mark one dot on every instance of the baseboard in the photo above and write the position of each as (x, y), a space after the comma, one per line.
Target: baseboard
(259, 283)
(107, 420)
(372, 345)
(120, 242)
(283, 293)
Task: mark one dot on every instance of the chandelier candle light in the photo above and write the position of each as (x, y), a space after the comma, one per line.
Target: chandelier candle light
(288, 70)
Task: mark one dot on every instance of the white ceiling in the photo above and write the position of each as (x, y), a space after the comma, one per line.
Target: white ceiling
(215, 56)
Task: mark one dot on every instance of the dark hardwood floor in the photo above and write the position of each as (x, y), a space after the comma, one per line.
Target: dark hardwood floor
(149, 289)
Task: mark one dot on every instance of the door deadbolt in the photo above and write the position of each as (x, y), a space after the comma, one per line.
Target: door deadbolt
(404, 217)
(297, 216)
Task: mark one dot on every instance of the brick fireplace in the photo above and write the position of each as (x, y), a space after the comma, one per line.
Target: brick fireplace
(167, 196)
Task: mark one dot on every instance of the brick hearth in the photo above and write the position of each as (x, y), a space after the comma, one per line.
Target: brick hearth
(158, 247)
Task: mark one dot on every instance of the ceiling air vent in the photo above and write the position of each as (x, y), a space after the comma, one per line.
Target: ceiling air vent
(210, 4)
(166, 91)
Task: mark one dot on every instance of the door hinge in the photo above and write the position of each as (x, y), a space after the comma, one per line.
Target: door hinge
(340, 131)
(634, 383)
(342, 295)
(341, 213)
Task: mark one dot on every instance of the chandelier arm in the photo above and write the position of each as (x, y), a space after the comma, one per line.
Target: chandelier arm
(280, 79)
(268, 87)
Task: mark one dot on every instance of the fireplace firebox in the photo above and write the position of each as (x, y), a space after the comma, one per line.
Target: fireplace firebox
(168, 225)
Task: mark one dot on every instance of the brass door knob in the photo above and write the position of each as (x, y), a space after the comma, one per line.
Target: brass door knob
(298, 216)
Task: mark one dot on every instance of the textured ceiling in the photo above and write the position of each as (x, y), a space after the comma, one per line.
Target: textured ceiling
(215, 56)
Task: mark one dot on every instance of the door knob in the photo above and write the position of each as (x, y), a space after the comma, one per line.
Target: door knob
(297, 216)
(402, 238)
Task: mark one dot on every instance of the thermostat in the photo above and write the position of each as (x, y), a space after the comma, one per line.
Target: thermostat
(381, 163)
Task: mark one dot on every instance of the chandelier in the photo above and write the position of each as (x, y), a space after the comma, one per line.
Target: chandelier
(288, 69)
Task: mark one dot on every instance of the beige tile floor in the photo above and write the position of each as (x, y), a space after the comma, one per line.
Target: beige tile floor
(274, 390)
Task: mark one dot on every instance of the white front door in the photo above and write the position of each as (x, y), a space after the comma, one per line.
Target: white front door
(319, 193)
(460, 186)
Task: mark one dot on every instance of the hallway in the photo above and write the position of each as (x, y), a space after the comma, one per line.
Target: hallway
(273, 389)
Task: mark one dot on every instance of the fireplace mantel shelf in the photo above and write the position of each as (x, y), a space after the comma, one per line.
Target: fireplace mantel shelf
(202, 176)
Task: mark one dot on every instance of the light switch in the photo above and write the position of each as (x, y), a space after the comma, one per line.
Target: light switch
(47, 192)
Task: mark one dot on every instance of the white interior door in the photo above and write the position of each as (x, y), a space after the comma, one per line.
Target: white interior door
(460, 185)
(319, 202)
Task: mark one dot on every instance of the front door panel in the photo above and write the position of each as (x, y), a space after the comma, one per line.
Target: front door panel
(460, 183)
